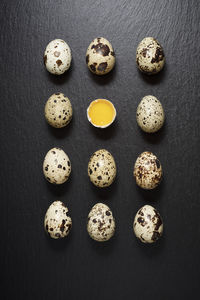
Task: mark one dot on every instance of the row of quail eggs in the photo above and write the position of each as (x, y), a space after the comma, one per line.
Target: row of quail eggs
(100, 56)
(102, 168)
(147, 224)
(150, 114)
(102, 172)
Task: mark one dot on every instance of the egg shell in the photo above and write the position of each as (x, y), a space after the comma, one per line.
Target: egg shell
(58, 110)
(150, 114)
(56, 166)
(150, 56)
(114, 111)
(147, 170)
(101, 223)
(100, 56)
(57, 221)
(57, 57)
(148, 225)
(102, 168)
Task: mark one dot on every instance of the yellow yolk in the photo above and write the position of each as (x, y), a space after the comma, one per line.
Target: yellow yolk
(101, 112)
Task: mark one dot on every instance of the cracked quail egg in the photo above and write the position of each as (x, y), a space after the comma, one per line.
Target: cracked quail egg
(57, 222)
(102, 168)
(57, 57)
(100, 56)
(58, 110)
(148, 225)
(150, 57)
(150, 114)
(56, 166)
(147, 171)
(101, 113)
(101, 223)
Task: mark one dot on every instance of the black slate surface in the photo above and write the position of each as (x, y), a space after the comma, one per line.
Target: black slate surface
(33, 265)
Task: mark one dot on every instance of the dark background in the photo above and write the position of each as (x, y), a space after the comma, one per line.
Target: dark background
(33, 265)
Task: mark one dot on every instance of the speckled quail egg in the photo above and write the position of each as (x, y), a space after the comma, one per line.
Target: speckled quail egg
(101, 223)
(57, 57)
(58, 110)
(150, 57)
(57, 222)
(56, 166)
(102, 168)
(148, 225)
(100, 56)
(147, 170)
(150, 114)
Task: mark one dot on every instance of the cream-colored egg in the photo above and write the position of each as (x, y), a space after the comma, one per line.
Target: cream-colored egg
(100, 56)
(58, 110)
(57, 221)
(56, 166)
(147, 171)
(150, 56)
(57, 57)
(101, 223)
(148, 225)
(150, 114)
(102, 168)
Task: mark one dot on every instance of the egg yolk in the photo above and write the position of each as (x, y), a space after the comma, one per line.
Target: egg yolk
(101, 112)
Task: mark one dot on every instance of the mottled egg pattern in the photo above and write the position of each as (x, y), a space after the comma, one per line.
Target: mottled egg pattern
(102, 168)
(150, 57)
(100, 56)
(56, 166)
(57, 221)
(147, 171)
(150, 114)
(57, 57)
(101, 224)
(148, 225)
(58, 110)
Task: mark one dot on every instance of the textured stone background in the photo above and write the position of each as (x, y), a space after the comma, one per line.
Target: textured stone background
(35, 267)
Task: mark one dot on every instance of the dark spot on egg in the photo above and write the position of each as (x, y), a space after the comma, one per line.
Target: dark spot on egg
(59, 62)
(159, 55)
(101, 48)
(102, 66)
(93, 68)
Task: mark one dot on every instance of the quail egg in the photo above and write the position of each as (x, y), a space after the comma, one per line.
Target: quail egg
(148, 225)
(147, 171)
(101, 113)
(57, 57)
(56, 166)
(58, 110)
(150, 114)
(102, 168)
(57, 221)
(101, 223)
(100, 56)
(150, 57)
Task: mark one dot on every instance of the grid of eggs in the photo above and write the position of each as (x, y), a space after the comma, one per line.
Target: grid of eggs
(102, 170)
